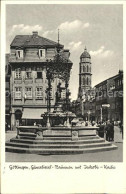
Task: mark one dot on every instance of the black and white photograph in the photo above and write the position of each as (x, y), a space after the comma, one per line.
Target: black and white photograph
(64, 83)
(62, 94)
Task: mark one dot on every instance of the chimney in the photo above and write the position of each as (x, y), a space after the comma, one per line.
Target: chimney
(35, 33)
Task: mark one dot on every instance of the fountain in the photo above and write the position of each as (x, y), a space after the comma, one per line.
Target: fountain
(58, 136)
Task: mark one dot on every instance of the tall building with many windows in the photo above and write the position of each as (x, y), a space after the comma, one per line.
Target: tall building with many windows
(84, 73)
(29, 56)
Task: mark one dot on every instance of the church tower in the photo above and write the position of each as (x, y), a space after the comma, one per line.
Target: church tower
(84, 73)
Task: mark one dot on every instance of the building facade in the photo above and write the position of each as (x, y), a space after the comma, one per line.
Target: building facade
(29, 58)
(7, 90)
(109, 99)
(104, 101)
(119, 96)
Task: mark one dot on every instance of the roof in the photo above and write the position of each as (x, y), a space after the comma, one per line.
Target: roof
(105, 81)
(85, 54)
(32, 40)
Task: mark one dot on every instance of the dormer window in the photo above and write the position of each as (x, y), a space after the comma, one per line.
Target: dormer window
(42, 53)
(19, 54)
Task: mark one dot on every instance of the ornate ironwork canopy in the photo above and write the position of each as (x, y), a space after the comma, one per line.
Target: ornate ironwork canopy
(59, 67)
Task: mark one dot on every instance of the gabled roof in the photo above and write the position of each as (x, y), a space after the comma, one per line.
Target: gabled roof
(32, 40)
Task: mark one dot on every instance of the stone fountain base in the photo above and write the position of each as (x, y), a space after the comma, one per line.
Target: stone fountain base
(57, 140)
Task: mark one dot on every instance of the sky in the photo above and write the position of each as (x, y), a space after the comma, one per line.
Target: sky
(98, 27)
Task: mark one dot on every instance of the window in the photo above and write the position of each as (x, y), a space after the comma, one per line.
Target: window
(39, 75)
(18, 73)
(28, 92)
(83, 81)
(28, 73)
(87, 68)
(87, 81)
(63, 94)
(42, 53)
(82, 60)
(19, 54)
(83, 68)
(18, 93)
(39, 92)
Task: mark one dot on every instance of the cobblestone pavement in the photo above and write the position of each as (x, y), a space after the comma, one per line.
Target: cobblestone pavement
(106, 156)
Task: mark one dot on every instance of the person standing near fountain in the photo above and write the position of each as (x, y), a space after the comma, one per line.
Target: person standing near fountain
(109, 131)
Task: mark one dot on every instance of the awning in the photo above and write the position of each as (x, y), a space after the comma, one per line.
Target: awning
(33, 113)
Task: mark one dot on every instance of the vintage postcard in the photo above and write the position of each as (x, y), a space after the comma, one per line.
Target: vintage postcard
(62, 97)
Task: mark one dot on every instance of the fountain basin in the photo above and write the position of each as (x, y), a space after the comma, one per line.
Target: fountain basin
(63, 131)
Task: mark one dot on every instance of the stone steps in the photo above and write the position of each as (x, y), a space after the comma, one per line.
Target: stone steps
(70, 146)
(33, 137)
(58, 144)
(52, 151)
(54, 138)
(69, 138)
(57, 141)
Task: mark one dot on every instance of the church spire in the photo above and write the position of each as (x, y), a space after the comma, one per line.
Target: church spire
(85, 49)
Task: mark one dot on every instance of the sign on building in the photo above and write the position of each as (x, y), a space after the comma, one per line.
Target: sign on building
(106, 105)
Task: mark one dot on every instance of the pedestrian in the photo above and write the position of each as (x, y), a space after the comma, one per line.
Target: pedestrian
(101, 129)
(121, 129)
(109, 129)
